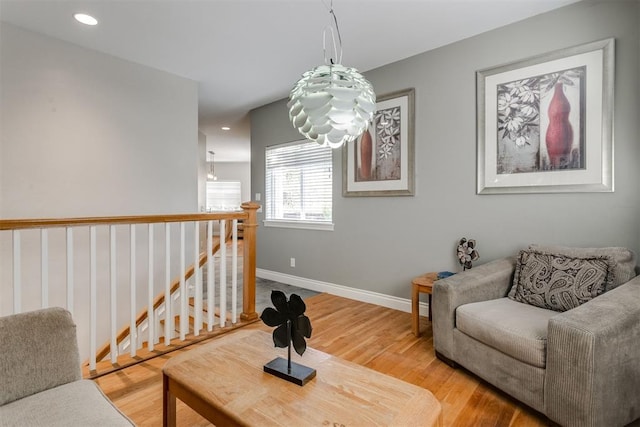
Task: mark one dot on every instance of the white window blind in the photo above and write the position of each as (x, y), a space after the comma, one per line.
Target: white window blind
(299, 183)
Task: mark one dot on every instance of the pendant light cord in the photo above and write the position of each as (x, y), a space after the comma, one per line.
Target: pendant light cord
(337, 53)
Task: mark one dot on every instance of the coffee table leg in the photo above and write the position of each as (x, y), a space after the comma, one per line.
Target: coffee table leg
(415, 313)
(168, 404)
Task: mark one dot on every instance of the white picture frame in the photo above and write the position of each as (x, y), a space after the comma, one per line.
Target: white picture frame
(381, 161)
(512, 97)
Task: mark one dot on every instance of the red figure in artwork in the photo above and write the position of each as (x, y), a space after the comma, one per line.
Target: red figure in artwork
(366, 147)
(559, 133)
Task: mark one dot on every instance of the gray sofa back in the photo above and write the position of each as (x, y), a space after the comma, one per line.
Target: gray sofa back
(39, 351)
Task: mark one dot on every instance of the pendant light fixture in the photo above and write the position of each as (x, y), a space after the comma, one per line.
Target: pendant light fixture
(211, 175)
(332, 104)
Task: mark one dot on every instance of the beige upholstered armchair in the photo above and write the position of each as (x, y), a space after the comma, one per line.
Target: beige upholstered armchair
(40, 380)
(556, 328)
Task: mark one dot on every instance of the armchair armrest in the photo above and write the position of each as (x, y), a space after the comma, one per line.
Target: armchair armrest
(485, 282)
(593, 361)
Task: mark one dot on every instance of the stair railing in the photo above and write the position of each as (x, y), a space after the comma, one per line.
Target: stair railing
(59, 262)
(158, 303)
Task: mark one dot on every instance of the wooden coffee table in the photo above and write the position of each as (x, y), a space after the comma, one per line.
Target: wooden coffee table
(224, 382)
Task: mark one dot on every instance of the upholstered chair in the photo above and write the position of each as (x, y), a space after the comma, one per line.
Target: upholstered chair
(556, 328)
(41, 382)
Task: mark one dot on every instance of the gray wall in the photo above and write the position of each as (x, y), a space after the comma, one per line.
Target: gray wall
(86, 134)
(379, 244)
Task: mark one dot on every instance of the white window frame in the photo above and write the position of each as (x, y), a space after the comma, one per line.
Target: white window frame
(296, 223)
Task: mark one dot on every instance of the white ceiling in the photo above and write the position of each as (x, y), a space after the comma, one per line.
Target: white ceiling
(247, 53)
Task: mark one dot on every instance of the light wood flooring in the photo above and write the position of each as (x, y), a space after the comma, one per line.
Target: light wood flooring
(372, 336)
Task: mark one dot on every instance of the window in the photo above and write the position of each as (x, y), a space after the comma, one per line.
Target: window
(299, 186)
(223, 196)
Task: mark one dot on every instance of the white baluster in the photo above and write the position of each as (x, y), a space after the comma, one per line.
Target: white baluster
(92, 298)
(112, 283)
(168, 317)
(234, 274)
(44, 267)
(196, 274)
(183, 287)
(133, 333)
(150, 317)
(210, 277)
(70, 270)
(223, 274)
(158, 327)
(17, 273)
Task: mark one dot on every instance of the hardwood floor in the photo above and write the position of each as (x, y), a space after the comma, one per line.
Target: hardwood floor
(372, 336)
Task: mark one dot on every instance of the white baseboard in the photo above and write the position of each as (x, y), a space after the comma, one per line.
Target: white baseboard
(383, 300)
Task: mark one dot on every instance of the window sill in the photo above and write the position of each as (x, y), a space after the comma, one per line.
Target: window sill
(305, 225)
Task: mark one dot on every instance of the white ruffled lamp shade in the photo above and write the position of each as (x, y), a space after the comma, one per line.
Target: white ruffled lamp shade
(332, 104)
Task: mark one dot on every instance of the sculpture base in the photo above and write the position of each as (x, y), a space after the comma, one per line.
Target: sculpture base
(299, 374)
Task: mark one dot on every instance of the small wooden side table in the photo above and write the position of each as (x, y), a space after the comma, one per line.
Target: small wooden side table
(419, 284)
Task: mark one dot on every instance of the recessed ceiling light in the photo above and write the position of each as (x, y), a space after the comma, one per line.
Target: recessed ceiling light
(85, 19)
(225, 128)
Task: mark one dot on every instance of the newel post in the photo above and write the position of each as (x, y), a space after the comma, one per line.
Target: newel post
(250, 227)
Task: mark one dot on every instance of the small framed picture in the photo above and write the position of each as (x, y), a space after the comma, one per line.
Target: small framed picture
(381, 161)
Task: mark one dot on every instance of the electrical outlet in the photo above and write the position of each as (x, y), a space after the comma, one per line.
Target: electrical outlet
(258, 196)
(292, 263)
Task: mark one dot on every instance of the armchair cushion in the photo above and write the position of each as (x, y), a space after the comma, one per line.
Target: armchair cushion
(510, 327)
(78, 403)
(560, 282)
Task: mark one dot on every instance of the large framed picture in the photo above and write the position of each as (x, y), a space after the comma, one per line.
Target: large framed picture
(381, 161)
(545, 124)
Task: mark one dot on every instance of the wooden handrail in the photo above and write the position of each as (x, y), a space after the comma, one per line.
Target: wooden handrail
(17, 224)
(159, 300)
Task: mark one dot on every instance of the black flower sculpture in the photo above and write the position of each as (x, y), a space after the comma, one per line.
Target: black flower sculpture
(292, 327)
(467, 253)
(288, 316)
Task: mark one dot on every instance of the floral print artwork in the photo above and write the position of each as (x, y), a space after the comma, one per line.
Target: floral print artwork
(388, 131)
(523, 120)
(383, 160)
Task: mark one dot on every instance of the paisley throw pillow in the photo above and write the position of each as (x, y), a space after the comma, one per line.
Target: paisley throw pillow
(559, 282)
